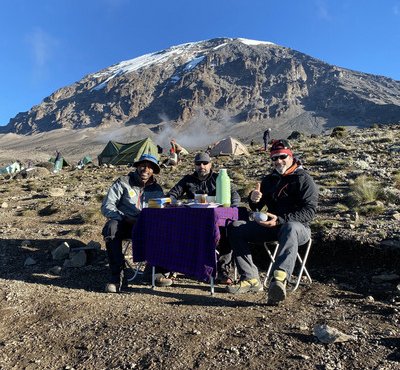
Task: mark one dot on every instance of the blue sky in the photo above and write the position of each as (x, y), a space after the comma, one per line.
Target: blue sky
(48, 44)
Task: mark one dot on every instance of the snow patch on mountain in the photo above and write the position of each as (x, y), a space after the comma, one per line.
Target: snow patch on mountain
(190, 49)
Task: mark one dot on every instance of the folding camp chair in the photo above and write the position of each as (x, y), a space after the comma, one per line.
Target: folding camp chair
(134, 268)
(301, 260)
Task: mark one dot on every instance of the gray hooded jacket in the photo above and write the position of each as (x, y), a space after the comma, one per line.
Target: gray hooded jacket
(127, 194)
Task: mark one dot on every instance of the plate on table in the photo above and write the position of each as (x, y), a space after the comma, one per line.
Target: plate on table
(203, 205)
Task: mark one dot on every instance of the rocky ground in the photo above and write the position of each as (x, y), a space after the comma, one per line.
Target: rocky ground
(54, 314)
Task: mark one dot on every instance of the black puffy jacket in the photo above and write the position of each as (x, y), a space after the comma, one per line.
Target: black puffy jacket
(292, 197)
(189, 185)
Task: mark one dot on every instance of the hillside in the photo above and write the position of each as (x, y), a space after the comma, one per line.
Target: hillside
(54, 316)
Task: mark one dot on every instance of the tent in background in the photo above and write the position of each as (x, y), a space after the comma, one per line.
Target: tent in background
(12, 168)
(84, 161)
(119, 153)
(228, 146)
(61, 163)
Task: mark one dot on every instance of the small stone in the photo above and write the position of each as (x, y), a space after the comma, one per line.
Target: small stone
(61, 252)
(56, 192)
(55, 270)
(4, 205)
(77, 259)
(327, 334)
(370, 298)
(383, 278)
(30, 262)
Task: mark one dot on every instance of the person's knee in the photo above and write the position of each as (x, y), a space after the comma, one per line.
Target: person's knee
(110, 229)
(291, 227)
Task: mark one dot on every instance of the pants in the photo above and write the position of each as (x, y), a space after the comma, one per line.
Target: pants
(289, 236)
(114, 232)
(224, 262)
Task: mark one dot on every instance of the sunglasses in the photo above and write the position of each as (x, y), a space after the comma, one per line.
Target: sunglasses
(201, 163)
(276, 157)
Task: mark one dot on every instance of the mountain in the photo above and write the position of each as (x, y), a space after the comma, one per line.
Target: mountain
(223, 80)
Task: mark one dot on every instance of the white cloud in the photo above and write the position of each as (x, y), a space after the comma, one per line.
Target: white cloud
(322, 10)
(42, 46)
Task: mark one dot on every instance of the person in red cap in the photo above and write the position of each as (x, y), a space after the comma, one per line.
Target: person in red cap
(122, 206)
(291, 197)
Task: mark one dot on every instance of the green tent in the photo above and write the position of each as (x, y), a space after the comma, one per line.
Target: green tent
(119, 153)
(64, 163)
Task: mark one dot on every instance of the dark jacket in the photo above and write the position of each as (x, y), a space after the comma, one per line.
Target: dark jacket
(292, 197)
(126, 196)
(191, 184)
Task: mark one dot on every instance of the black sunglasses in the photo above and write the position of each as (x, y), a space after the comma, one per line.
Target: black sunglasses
(203, 162)
(276, 157)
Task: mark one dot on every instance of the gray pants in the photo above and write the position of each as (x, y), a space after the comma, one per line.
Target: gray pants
(289, 236)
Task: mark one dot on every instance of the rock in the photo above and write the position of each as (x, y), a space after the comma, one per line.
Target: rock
(77, 259)
(30, 262)
(55, 270)
(4, 205)
(26, 243)
(390, 243)
(383, 278)
(327, 334)
(93, 245)
(396, 216)
(56, 192)
(61, 252)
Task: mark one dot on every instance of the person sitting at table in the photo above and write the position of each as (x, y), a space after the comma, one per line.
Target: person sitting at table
(203, 180)
(291, 196)
(122, 206)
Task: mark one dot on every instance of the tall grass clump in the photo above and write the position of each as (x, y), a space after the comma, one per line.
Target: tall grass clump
(363, 190)
(339, 132)
(396, 180)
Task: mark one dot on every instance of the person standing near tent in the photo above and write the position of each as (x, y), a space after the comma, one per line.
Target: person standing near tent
(266, 138)
(177, 149)
(203, 180)
(122, 206)
(58, 162)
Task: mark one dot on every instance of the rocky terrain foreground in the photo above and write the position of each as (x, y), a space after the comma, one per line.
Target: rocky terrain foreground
(53, 269)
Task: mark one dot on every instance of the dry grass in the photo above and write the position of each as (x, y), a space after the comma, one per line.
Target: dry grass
(363, 190)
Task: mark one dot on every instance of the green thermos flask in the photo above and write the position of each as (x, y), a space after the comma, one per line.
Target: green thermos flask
(223, 194)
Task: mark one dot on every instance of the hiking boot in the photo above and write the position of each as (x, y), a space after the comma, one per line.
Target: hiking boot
(245, 286)
(277, 288)
(223, 279)
(112, 288)
(162, 281)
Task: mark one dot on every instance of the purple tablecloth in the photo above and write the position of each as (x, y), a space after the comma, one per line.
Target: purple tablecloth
(180, 239)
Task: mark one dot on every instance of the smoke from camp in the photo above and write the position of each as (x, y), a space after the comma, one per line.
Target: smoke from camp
(199, 133)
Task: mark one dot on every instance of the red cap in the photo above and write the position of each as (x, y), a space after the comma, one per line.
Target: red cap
(280, 147)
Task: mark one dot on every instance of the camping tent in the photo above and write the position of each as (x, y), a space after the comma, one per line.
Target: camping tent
(12, 168)
(61, 163)
(228, 146)
(84, 161)
(119, 153)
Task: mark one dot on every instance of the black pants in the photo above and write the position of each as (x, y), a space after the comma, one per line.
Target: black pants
(224, 261)
(114, 232)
